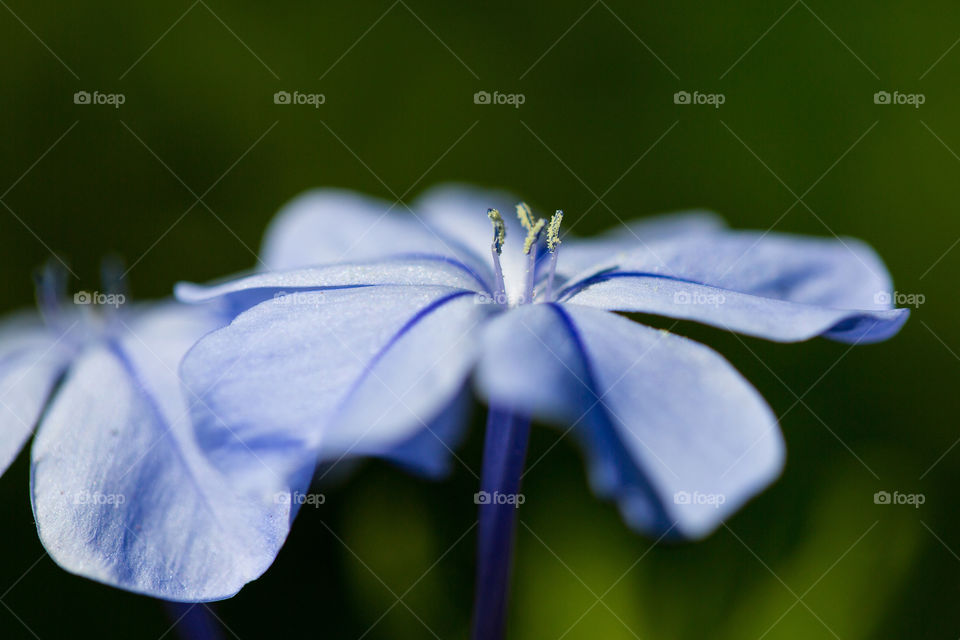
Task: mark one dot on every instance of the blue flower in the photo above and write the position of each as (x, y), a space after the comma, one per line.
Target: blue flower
(370, 351)
(121, 493)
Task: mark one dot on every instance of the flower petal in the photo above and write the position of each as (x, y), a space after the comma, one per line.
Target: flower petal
(767, 318)
(663, 419)
(429, 451)
(325, 226)
(580, 254)
(778, 287)
(245, 292)
(335, 373)
(32, 358)
(122, 495)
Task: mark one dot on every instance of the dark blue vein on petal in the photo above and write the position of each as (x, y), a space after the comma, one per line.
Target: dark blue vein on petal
(629, 473)
(575, 288)
(408, 325)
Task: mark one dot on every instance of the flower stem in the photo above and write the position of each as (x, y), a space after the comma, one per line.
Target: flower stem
(194, 620)
(504, 453)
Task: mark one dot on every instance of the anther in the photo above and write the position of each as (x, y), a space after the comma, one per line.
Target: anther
(499, 237)
(499, 230)
(532, 235)
(526, 216)
(553, 231)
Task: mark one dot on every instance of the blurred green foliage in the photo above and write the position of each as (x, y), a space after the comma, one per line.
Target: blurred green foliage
(182, 178)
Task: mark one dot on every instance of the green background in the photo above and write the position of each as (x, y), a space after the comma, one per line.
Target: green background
(598, 135)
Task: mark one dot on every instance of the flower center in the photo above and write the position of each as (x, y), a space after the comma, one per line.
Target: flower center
(535, 228)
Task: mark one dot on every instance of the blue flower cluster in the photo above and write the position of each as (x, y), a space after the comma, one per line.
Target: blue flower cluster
(164, 432)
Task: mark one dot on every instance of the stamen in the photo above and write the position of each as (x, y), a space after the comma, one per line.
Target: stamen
(553, 231)
(533, 227)
(51, 288)
(533, 234)
(113, 278)
(530, 249)
(525, 215)
(499, 230)
(499, 237)
(553, 243)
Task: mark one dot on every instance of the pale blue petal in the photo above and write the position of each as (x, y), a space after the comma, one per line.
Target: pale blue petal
(842, 273)
(430, 452)
(244, 292)
(334, 225)
(327, 226)
(32, 358)
(774, 286)
(767, 318)
(121, 493)
(330, 375)
(660, 416)
(580, 254)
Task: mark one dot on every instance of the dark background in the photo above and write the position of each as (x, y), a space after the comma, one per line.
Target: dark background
(799, 144)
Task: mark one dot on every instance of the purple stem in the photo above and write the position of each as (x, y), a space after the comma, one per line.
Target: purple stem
(504, 454)
(194, 620)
